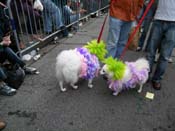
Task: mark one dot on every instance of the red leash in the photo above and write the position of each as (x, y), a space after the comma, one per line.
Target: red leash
(102, 28)
(137, 27)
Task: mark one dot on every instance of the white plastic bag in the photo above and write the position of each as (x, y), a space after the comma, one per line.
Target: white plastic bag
(38, 5)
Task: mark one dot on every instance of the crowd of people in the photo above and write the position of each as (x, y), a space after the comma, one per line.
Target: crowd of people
(161, 38)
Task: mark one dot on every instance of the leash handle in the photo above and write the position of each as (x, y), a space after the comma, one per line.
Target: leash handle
(137, 27)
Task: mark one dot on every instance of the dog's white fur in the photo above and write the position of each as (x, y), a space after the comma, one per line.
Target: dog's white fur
(140, 64)
(68, 67)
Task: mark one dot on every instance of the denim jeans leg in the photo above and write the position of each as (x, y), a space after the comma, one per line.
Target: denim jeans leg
(113, 36)
(167, 46)
(2, 74)
(74, 18)
(57, 18)
(123, 37)
(154, 42)
(12, 57)
(47, 22)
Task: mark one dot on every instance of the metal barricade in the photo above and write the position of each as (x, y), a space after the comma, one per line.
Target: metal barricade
(31, 26)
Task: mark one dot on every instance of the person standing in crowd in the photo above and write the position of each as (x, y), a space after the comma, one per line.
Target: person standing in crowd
(52, 14)
(162, 36)
(122, 14)
(71, 16)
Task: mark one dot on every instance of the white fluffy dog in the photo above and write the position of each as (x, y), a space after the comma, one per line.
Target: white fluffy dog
(125, 75)
(74, 64)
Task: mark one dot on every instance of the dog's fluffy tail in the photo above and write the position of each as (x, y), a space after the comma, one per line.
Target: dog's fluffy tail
(142, 63)
(67, 66)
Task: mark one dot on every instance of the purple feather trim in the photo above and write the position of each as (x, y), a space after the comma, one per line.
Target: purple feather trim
(137, 76)
(92, 63)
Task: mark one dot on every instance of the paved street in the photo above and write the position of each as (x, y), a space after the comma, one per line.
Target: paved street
(40, 106)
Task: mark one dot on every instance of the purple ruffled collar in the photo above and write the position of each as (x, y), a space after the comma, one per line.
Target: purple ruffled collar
(136, 77)
(92, 62)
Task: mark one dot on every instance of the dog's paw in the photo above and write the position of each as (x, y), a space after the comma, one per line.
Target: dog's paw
(115, 93)
(139, 91)
(75, 87)
(63, 89)
(90, 85)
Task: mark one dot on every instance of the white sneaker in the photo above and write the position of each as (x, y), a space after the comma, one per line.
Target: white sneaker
(80, 24)
(170, 60)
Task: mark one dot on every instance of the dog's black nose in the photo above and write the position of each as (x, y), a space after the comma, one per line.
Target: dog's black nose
(105, 77)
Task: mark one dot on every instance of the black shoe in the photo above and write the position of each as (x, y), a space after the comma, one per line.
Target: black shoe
(156, 85)
(30, 70)
(6, 90)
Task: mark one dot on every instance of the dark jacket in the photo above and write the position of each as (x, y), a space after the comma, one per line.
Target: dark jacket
(4, 24)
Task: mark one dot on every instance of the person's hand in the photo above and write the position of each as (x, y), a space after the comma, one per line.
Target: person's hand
(83, 10)
(6, 40)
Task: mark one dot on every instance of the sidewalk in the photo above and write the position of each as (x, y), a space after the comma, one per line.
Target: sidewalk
(40, 106)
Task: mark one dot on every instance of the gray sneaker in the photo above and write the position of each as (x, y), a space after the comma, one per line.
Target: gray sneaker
(6, 90)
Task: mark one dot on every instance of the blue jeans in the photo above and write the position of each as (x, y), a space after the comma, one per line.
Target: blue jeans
(162, 36)
(117, 36)
(69, 17)
(7, 53)
(3, 76)
(52, 15)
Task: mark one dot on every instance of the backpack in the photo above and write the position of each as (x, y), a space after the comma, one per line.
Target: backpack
(15, 75)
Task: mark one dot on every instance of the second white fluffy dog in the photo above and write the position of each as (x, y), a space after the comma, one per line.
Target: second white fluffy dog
(125, 75)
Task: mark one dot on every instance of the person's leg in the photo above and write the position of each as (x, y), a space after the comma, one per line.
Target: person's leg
(4, 88)
(123, 37)
(113, 35)
(57, 18)
(47, 22)
(12, 57)
(3, 76)
(166, 49)
(154, 42)
(74, 18)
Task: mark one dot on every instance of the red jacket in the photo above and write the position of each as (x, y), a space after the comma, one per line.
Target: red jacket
(126, 10)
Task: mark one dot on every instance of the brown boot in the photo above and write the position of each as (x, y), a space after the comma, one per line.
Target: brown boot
(2, 125)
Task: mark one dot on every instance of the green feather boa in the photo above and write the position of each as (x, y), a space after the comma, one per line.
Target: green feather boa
(98, 49)
(115, 66)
